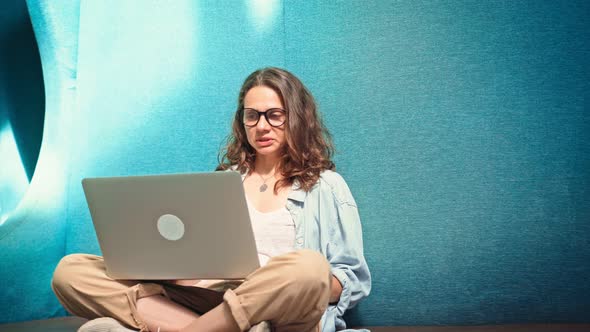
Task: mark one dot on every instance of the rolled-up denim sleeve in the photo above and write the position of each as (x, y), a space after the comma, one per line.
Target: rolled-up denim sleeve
(345, 249)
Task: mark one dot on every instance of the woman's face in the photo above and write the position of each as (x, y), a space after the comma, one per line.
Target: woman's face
(264, 138)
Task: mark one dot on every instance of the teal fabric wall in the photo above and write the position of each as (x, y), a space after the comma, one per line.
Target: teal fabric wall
(22, 106)
(463, 131)
(32, 237)
(461, 127)
(21, 83)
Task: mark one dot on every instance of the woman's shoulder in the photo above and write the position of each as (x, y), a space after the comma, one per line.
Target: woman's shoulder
(332, 178)
(227, 168)
(334, 184)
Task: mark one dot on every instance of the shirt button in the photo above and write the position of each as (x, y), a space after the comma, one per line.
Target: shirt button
(299, 240)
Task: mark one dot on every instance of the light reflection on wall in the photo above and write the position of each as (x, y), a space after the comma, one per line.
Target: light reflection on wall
(48, 180)
(263, 13)
(155, 72)
(13, 178)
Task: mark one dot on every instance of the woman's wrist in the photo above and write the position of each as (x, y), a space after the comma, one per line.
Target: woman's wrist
(335, 290)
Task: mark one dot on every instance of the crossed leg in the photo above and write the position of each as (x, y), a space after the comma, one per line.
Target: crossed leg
(291, 291)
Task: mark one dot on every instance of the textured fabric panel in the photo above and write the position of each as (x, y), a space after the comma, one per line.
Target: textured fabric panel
(463, 131)
(33, 238)
(21, 94)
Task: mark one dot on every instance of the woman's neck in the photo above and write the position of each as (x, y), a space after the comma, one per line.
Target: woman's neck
(266, 165)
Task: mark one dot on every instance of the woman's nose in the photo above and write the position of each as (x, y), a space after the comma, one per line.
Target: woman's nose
(262, 123)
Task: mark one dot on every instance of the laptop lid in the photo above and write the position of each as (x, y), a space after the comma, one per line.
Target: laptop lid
(173, 226)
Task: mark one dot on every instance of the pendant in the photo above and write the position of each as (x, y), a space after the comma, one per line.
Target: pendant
(263, 187)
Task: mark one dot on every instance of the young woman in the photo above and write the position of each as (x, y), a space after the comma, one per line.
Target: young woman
(305, 221)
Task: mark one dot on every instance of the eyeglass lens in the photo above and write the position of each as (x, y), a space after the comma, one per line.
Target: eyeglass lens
(274, 116)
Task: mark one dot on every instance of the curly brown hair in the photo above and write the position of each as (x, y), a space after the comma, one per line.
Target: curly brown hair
(308, 147)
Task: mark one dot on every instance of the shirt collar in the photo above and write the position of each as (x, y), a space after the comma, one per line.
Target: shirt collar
(297, 194)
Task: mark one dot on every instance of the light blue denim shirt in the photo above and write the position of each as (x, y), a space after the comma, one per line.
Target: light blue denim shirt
(327, 220)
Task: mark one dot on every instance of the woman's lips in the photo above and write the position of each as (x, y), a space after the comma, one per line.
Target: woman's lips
(263, 142)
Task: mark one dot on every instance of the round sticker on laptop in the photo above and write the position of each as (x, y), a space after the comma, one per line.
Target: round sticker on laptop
(170, 227)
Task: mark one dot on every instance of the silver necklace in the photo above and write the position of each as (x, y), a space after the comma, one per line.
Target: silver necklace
(264, 186)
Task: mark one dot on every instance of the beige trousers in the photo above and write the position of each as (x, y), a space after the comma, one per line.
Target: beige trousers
(292, 292)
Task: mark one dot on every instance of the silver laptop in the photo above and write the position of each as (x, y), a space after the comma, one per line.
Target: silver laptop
(175, 226)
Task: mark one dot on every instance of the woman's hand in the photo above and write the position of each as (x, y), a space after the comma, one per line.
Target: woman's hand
(183, 282)
(335, 290)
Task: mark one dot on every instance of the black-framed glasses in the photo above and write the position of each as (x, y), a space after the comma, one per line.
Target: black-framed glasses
(274, 116)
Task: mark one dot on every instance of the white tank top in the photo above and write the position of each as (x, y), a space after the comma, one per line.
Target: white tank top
(274, 232)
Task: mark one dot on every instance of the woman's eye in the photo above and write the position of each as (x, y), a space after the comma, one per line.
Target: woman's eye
(278, 115)
(251, 115)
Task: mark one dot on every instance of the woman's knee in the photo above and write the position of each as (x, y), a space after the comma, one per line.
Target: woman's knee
(65, 272)
(310, 270)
